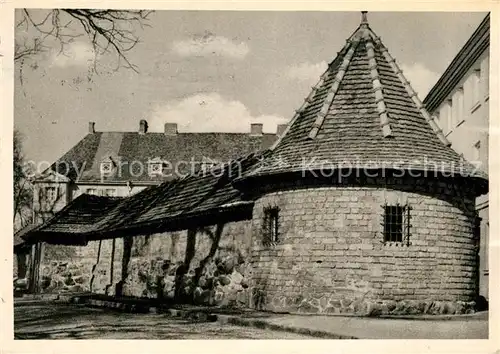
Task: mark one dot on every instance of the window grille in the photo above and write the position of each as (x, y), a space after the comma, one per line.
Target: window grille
(396, 223)
(271, 225)
(50, 194)
(47, 197)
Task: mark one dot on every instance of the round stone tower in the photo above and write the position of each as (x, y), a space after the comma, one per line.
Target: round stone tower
(362, 206)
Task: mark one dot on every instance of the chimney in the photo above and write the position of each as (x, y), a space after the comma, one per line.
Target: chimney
(143, 126)
(256, 129)
(281, 129)
(170, 128)
(91, 127)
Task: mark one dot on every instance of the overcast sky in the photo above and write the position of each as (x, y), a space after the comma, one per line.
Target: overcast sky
(217, 71)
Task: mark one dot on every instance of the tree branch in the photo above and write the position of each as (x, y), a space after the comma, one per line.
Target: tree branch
(109, 31)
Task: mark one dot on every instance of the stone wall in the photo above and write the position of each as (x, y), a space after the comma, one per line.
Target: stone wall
(155, 261)
(331, 257)
(219, 278)
(72, 268)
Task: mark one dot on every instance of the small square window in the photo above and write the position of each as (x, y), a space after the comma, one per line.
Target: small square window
(155, 168)
(396, 223)
(48, 194)
(106, 167)
(271, 225)
(91, 191)
(110, 192)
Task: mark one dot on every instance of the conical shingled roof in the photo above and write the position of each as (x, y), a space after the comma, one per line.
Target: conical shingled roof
(363, 113)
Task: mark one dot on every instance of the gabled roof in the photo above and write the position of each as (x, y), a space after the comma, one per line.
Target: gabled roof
(363, 113)
(177, 204)
(475, 46)
(132, 152)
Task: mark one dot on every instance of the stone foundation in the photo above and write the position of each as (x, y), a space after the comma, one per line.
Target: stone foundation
(331, 304)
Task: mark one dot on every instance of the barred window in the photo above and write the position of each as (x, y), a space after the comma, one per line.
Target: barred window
(49, 193)
(397, 223)
(271, 225)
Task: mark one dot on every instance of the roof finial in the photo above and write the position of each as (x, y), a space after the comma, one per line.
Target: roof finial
(364, 19)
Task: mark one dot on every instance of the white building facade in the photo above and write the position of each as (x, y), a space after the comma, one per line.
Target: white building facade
(460, 104)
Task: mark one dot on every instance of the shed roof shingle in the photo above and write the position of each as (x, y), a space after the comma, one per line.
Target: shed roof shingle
(91, 217)
(83, 215)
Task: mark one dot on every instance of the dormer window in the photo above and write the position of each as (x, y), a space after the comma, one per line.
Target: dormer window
(107, 166)
(155, 167)
(207, 164)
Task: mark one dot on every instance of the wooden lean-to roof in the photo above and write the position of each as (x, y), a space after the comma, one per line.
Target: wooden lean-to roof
(363, 113)
(200, 199)
(81, 216)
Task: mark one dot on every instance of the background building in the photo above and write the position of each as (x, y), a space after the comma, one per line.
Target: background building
(118, 164)
(460, 104)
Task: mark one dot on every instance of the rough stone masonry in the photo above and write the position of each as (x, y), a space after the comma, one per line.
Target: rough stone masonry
(331, 257)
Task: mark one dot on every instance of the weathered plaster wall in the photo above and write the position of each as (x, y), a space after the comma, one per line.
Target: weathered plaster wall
(331, 257)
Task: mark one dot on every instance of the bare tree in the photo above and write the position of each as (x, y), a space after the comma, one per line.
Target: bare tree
(109, 31)
(23, 189)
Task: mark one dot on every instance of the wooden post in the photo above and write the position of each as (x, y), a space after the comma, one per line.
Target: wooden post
(112, 266)
(94, 268)
(34, 286)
